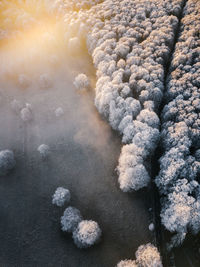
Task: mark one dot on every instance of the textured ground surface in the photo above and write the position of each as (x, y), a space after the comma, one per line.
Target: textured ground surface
(84, 154)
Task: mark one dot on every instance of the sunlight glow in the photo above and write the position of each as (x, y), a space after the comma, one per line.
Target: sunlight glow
(35, 33)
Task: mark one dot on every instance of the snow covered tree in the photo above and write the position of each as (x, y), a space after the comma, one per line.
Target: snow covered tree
(148, 255)
(130, 63)
(7, 161)
(127, 263)
(61, 196)
(178, 180)
(86, 234)
(81, 82)
(26, 113)
(70, 219)
(44, 150)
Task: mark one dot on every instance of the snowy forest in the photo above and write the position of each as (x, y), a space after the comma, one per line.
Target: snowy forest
(100, 133)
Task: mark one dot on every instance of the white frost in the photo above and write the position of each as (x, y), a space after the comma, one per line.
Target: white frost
(86, 234)
(61, 196)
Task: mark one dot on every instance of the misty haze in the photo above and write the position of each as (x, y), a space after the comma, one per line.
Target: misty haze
(99, 133)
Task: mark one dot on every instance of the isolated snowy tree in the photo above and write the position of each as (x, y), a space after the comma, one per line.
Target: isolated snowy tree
(7, 161)
(81, 82)
(44, 150)
(26, 113)
(86, 234)
(59, 112)
(70, 219)
(61, 196)
(148, 255)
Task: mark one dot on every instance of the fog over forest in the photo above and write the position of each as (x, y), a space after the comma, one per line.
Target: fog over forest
(100, 133)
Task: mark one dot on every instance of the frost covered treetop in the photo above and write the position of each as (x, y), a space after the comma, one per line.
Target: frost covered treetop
(7, 161)
(81, 82)
(70, 219)
(61, 196)
(146, 256)
(44, 150)
(86, 234)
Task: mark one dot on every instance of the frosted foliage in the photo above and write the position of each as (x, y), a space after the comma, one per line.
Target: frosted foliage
(176, 217)
(81, 82)
(147, 139)
(134, 178)
(179, 164)
(70, 219)
(148, 256)
(44, 150)
(127, 263)
(194, 222)
(176, 240)
(149, 117)
(132, 173)
(197, 155)
(61, 196)
(181, 210)
(129, 43)
(86, 234)
(26, 113)
(7, 161)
